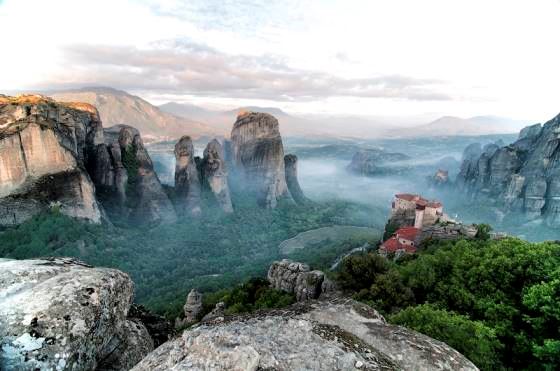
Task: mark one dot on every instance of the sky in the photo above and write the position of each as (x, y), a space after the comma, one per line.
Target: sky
(338, 57)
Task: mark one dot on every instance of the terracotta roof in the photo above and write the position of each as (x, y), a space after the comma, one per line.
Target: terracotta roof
(393, 245)
(434, 204)
(408, 233)
(407, 196)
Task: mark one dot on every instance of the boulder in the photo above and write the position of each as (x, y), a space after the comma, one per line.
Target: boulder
(296, 278)
(336, 334)
(187, 181)
(61, 314)
(44, 150)
(290, 165)
(215, 175)
(258, 157)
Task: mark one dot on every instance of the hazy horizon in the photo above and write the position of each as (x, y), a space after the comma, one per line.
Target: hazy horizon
(305, 57)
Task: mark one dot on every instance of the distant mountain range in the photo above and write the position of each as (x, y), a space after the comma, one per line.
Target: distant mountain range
(172, 120)
(119, 107)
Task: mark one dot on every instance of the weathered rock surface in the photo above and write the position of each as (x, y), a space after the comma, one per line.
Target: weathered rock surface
(125, 173)
(296, 278)
(193, 305)
(258, 157)
(43, 155)
(215, 175)
(290, 165)
(446, 232)
(338, 334)
(60, 314)
(158, 327)
(378, 162)
(522, 177)
(187, 181)
(440, 179)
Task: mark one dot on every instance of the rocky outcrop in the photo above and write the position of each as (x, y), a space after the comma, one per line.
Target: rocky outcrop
(258, 157)
(522, 177)
(61, 314)
(440, 179)
(44, 150)
(215, 175)
(372, 162)
(127, 182)
(336, 334)
(298, 279)
(193, 306)
(187, 181)
(290, 165)
(446, 232)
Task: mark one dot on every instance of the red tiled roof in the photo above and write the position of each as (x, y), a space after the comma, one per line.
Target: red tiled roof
(408, 233)
(407, 196)
(393, 245)
(434, 204)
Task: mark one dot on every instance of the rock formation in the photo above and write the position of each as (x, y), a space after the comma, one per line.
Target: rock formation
(124, 173)
(258, 157)
(290, 165)
(61, 314)
(377, 162)
(440, 179)
(298, 279)
(43, 153)
(193, 306)
(56, 154)
(334, 334)
(522, 177)
(215, 175)
(187, 181)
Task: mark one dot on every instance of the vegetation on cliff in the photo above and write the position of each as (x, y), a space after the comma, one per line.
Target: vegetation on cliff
(494, 301)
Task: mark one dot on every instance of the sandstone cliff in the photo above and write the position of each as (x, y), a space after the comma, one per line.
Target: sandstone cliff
(43, 153)
(60, 314)
(187, 180)
(215, 175)
(522, 177)
(258, 157)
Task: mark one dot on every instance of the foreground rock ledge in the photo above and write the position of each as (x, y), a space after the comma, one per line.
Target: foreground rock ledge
(332, 334)
(61, 314)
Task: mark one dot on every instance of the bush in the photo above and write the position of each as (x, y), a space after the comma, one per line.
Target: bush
(358, 272)
(473, 339)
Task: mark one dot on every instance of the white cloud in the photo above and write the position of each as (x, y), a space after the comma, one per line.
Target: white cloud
(498, 57)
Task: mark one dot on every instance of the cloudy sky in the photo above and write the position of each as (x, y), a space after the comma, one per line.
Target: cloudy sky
(389, 58)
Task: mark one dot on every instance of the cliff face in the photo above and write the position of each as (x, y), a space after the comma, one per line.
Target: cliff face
(187, 181)
(524, 176)
(215, 174)
(43, 152)
(55, 154)
(258, 157)
(60, 314)
(290, 164)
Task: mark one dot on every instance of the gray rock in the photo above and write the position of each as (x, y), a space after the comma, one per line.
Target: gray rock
(187, 181)
(258, 157)
(522, 177)
(339, 334)
(193, 306)
(378, 162)
(296, 278)
(290, 164)
(61, 314)
(215, 175)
